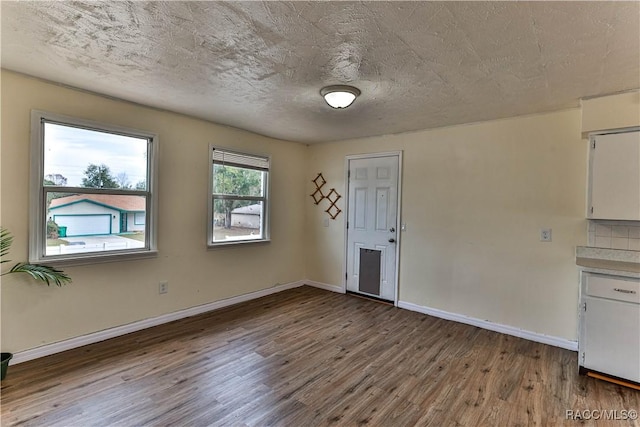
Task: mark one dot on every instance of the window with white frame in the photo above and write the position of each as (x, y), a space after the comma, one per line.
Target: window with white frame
(139, 218)
(238, 202)
(92, 190)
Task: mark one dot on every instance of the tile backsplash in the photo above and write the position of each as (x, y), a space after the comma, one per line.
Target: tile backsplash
(614, 234)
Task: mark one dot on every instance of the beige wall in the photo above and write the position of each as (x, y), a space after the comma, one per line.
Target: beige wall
(108, 295)
(474, 199)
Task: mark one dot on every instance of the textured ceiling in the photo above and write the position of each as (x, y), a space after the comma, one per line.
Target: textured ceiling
(260, 65)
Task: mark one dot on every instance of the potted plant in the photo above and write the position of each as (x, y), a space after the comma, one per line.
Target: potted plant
(40, 273)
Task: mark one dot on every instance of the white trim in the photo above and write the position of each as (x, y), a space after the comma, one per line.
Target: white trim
(95, 337)
(333, 288)
(347, 159)
(496, 327)
(345, 220)
(373, 155)
(37, 197)
(265, 219)
(396, 299)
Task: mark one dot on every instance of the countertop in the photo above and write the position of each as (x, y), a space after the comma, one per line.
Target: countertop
(608, 261)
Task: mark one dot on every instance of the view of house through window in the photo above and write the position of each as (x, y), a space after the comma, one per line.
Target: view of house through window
(94, 222)
(95, 192)
(239, 187)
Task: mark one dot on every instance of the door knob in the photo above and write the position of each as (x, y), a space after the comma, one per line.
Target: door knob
(392, 240)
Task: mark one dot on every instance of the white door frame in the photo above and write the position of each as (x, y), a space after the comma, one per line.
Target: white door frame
(398, 216)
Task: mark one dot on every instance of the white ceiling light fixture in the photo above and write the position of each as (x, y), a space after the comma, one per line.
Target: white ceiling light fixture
(339, 96)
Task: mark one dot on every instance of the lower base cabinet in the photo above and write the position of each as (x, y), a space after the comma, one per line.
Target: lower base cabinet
(610, 325)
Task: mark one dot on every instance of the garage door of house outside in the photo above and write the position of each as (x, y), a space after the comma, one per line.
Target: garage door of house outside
(84, 225)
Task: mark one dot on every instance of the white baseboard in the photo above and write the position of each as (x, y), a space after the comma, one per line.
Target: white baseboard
(95, 337)
(325, 286)
(496, 327)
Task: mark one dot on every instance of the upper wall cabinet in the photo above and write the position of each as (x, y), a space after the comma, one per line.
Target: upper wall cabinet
(614, 179)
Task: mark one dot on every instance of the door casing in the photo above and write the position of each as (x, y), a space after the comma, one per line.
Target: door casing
(398, 216)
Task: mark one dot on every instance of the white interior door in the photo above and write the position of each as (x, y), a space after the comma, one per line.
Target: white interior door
(372, 217)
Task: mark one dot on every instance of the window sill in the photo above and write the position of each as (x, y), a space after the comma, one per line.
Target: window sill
(237, 243)
(98, 258)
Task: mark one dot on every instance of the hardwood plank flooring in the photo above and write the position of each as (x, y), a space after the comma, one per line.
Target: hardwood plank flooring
(308, 357)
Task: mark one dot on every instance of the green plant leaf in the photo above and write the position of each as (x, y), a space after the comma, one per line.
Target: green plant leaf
(5, 244)
(42, 273)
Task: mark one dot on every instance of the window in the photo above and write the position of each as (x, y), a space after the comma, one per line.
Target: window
(139, 218)
(238, 203)
(92, 190)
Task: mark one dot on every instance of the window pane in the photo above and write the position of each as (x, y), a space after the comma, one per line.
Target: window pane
(80, 223)
(77, 157)
(237, 220)
(237, 181)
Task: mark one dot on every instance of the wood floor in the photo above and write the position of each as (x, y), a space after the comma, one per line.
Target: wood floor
(308, 357)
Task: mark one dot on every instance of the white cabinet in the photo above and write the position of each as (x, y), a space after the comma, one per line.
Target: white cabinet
(614, 179)
(610, 325)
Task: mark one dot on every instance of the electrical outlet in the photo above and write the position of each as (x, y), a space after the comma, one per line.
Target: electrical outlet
(403, 226)
(163, 287)
(545, 234)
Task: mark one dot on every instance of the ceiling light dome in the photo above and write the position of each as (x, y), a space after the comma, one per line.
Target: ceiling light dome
(339, 96)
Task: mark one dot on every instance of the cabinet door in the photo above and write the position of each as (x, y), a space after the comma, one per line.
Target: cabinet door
(615, 176)
(611, 337)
